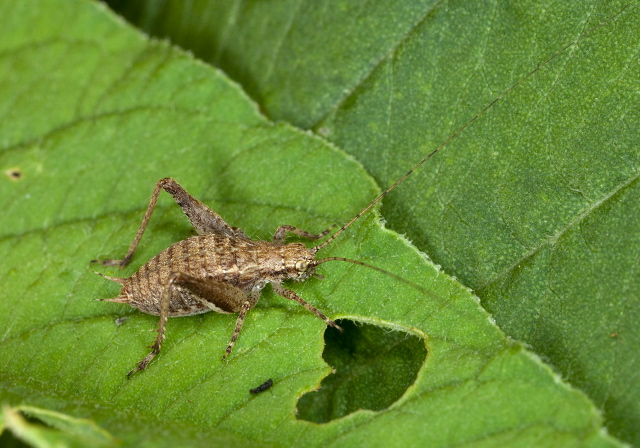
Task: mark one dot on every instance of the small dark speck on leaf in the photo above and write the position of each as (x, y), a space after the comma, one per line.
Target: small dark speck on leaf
(264, 386)
(14, 173)
(121, 320)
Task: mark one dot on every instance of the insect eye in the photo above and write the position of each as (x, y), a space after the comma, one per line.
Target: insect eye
(301, 265)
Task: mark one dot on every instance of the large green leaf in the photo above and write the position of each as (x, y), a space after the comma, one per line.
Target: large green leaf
(93, 115)
(535, 206)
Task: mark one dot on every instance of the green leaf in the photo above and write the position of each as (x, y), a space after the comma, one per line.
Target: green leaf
(94, 115)
(534, 206)
(68, 432)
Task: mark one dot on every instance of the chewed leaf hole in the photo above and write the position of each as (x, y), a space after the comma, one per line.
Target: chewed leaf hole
(373, 366)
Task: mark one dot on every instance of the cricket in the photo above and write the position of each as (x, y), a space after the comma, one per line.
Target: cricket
(221, 269)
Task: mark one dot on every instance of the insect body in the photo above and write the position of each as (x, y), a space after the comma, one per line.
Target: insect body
(220, 269)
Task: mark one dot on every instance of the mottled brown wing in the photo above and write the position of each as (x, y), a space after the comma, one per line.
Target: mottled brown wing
(213, 294)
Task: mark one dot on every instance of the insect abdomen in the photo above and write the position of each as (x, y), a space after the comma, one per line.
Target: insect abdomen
(204, 257)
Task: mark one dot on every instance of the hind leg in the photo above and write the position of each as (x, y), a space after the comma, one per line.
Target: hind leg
(164, 315)
(203, 219)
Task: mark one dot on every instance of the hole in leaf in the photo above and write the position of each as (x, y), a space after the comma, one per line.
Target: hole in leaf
(374, 366)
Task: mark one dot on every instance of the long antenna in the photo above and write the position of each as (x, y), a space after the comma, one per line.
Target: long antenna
(463, 127)
(375, 268)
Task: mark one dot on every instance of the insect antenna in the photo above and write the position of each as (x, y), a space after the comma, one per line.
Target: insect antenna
(375, 268)
(465, 126)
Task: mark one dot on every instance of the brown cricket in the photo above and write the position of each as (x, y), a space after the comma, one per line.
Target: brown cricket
(222, 270)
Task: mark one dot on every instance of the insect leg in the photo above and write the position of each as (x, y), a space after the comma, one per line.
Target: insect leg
(164, 315)
(281, 233)
(236, 332)
(288, 294)
(203, 219)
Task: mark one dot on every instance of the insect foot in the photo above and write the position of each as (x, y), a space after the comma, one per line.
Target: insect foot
(220, 270)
